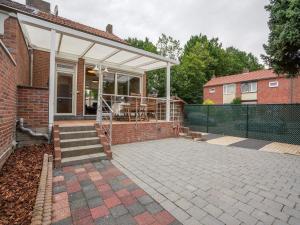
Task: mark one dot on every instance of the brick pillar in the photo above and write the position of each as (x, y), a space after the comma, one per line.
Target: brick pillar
(80, 87)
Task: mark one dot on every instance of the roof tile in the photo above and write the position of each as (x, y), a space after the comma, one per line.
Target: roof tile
(237, 78)
(59, 20)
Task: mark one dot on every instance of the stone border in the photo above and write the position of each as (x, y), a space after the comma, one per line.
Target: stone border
(43, 204)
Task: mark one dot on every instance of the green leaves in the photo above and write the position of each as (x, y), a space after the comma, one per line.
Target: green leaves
(283, 48)
(200, 60)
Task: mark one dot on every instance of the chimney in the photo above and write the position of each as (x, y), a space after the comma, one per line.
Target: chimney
(39, 4)
(109, 28)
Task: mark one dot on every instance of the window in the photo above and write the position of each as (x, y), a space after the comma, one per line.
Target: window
(249, 87)
(273, 84)
(128, 85)
(229, 89)
(108, 83)
(212, 90)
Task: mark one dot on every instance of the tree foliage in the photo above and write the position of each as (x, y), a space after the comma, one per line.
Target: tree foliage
(200, 59)
(283, 48)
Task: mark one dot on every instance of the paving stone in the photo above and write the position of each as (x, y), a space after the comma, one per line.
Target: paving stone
(196, 212)
(66, 221)
(246, 218)
(153, 208)
(294, 221)
(76, 196)
(77, 204)
(184, 204)
(59, 189)
(118, 211)
(209, 220)
(213, 210)
(136, 209)
(264, 217)
(180, 214)
(228, 219)
(94, 202)
(192, 221)
(168, 205)
(125, 220)
(144, 200)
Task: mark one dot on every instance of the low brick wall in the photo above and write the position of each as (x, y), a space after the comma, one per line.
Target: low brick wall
(142, 131)
(32, 105)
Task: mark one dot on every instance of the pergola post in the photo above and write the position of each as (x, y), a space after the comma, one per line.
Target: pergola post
(168, 90)
(51, 81)
(100, 91)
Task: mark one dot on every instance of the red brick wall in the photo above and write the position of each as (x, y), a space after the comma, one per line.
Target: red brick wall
(216, 97)
(14, 40)
(40, 70)
(278, 95)
(296, 90)
(238, 91)
(32, 105)
(8, 81)
(80, 86)
(130, 132)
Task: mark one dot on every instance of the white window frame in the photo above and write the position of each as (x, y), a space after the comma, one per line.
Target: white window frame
(252, 87)
(74, 82)
(273, 84)
(212, 90)
(130, 75)
(226, 87)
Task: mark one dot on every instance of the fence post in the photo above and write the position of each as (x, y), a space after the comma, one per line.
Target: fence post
(247, 121)
(207, 116)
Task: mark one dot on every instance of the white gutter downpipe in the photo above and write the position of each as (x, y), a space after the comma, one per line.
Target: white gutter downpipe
(51, 82)
(31, 132)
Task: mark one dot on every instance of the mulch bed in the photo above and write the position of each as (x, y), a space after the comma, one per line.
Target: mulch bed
(19, 181)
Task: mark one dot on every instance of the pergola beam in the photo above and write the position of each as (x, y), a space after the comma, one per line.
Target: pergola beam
(148, 63)
(87, 49)
(110, 55)
(59, 42)
(130, 59)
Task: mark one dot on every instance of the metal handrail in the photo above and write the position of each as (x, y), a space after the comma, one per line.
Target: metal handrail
(109, 112)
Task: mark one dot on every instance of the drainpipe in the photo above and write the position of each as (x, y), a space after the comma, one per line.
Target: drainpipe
(31, 132)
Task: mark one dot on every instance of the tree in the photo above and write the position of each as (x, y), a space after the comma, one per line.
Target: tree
(283, 48)
(146, 44)
(169, 47)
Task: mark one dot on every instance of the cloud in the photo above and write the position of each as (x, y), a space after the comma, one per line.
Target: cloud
(238, 23)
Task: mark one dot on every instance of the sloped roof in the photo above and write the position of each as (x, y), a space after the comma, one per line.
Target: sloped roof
(59, 20)
(237, 78)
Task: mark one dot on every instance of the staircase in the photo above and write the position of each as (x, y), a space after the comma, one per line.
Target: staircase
(79, 144)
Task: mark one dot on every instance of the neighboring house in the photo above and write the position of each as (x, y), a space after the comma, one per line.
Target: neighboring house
(53, 68)
(258, 87)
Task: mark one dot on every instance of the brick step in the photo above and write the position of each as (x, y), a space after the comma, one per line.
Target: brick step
(70, 161)
(78, 134)
(75, 128)
(79, 142)
(81, 150)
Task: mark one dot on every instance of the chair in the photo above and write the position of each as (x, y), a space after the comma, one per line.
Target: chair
(152, 108)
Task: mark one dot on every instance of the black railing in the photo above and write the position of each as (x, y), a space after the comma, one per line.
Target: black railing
(272, 122)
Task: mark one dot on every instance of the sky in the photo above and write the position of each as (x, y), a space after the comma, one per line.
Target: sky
(238, 23)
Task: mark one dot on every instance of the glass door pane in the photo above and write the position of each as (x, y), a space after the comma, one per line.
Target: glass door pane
(64, 93)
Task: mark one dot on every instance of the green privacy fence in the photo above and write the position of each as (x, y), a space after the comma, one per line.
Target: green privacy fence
(267, 122)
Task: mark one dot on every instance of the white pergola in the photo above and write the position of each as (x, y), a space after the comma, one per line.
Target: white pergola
(67, 43)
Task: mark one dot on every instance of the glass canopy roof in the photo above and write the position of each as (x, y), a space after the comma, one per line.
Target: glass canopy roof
(70, 42)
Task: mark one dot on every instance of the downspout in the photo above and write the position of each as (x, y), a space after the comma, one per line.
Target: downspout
(31, 66)
(31, 132)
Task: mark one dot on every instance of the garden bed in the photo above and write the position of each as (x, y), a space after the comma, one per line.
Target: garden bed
(19, 179)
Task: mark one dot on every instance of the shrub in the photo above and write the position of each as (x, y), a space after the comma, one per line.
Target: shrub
(237, 101)
(208, 102)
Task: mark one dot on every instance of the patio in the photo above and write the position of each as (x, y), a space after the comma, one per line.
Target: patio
(202, 183)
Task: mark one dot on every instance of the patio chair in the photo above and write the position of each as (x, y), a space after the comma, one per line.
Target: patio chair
(151, 109)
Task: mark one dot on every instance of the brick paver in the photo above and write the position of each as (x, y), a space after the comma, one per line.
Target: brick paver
(99, 193)
(202, 183)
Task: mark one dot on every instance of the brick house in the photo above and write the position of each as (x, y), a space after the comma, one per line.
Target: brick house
(258, 87)
(55, 69)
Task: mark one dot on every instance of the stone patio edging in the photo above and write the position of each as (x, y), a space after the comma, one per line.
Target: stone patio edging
(43, 204)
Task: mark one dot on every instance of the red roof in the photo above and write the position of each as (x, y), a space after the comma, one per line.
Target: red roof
(237, 78)
(59, 20)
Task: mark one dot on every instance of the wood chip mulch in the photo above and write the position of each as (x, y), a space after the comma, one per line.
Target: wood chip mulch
(19, 180)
